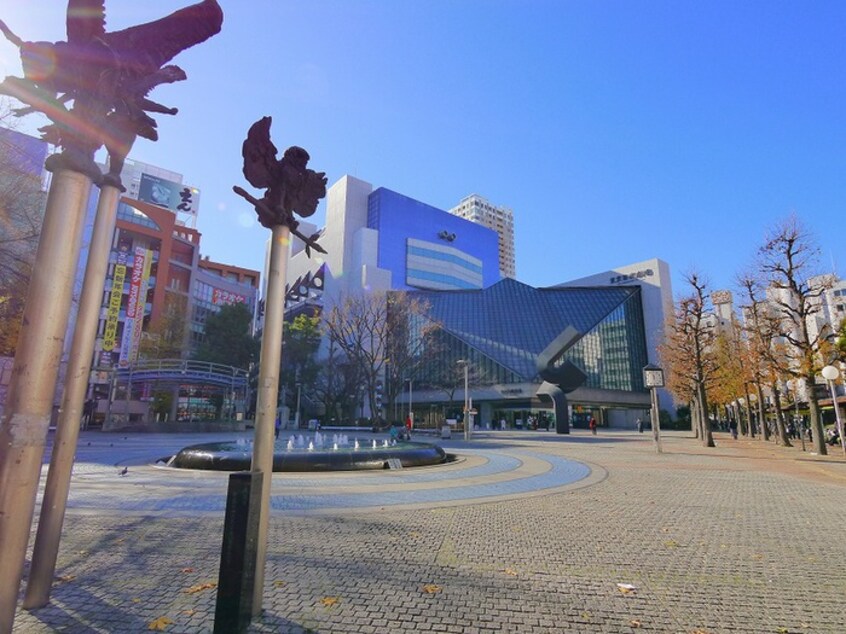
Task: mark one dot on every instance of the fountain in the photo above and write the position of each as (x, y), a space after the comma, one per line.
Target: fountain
(298, 453)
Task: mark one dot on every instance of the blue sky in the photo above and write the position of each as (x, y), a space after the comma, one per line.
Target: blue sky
(616, 131)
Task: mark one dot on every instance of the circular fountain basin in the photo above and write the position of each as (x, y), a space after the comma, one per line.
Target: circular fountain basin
(232, 456)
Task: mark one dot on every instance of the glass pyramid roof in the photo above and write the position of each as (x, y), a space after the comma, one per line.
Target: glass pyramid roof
(512, 323)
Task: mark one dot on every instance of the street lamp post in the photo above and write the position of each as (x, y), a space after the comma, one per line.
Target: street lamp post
(831, 374)
(297, 413)
(410, 408)
(653, 378)
(800, 426)
(467, 428)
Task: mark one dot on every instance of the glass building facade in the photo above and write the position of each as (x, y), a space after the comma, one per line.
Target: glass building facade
(500, 331)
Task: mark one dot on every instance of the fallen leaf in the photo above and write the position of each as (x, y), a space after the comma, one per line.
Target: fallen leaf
(136, 600)
(671, 543)
(665, 530)
(783, 630)
(159, 624)
(510, 571)
(189, 612)
(120, 540)
(414, 535)
(186, 570)
(634, 623)
(586, 615)
(626, 588)
(431, 588)
(757, 556)
(66, 578)
(329, 601)
(200, 587)
(279, 583)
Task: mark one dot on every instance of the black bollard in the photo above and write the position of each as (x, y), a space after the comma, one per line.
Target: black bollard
(236, 579)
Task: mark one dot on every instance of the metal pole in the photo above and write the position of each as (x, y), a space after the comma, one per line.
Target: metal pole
(46, 547)
(268, 393)
(410, 407)
(25, 421)
(837, 414)
(800, 424)
(656, 420)
(467, 431)
(297, 415)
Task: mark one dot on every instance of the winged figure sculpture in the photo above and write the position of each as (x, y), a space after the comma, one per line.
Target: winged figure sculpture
(106, 76)
(290, 186)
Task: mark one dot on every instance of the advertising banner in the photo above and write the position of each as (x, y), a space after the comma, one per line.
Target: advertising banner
(220, 296)
(168, 194)
(113, 311)
(134, 309)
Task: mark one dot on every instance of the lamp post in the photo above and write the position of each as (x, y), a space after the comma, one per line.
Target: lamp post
(297, 413)
(800, 426)
(467, 428)
(831, 374)
(410, 408)
(653, 378)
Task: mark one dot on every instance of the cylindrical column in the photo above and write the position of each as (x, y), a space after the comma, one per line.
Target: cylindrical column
(268, 393)
(655, 415)
(46, 547)
(467, 430)
(23, 428)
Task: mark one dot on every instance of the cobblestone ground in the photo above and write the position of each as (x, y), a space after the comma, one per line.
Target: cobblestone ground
(747, 537)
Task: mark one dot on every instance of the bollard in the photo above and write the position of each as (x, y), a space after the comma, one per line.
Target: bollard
(236, 579)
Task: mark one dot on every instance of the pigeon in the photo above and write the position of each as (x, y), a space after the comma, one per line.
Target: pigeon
(123, 471)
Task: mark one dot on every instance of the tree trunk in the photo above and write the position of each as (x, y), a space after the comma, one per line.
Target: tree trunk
(781, 432)
(762, 414)
(816, 419)
(695, 425)
(707, 438)
(749, 411)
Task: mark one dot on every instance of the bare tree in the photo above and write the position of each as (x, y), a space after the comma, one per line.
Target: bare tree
(789, 261)
(22, 202)
(361, 326)
(688, 353)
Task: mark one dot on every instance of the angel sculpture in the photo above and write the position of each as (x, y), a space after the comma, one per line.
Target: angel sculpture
(107, 76)
(290, 186)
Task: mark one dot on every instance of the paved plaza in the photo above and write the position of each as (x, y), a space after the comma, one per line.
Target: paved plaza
(525, 532)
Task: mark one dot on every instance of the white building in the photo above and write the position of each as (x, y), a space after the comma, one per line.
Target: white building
(653, 277)
(500, 219)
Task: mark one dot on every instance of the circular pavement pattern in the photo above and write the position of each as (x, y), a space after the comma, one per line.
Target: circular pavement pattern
(478, 475)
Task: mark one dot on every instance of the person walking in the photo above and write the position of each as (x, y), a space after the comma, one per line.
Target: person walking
(639, 426)
(592, 425)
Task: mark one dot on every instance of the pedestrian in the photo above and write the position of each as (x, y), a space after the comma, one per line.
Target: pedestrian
(733, 428)
(408, 425)
(502, 424)
(639, 426)
(277, 426)
(592, 425)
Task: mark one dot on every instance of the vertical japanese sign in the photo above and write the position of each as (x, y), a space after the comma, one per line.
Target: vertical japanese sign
(135, 307)
(113, 311)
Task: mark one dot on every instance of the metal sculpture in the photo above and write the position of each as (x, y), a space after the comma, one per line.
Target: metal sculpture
(290, 187)
(561, 379)
(107, 76)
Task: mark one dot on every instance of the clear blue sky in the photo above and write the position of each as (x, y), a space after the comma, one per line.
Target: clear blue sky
(616, 131)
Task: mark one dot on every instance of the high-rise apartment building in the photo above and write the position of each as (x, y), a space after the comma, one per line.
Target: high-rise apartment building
(501, 219)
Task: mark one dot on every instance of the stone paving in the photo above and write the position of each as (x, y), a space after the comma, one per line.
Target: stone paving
(519, 537)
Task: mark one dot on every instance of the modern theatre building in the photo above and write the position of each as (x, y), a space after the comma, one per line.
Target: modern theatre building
(508, 333)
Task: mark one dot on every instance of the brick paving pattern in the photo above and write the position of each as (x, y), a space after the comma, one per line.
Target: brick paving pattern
(747, 537)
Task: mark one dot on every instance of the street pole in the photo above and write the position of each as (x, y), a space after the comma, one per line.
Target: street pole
(297, 414)
(800, 426)
(655, 417)
(830, 374)
(46, 547)
(467, 431)
(268, 393)
(410, 407)
(25, 421)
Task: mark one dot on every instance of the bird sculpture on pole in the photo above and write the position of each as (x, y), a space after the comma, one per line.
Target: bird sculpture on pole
(290, 187)
(106, 77)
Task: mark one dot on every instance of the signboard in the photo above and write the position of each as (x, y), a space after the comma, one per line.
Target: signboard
(113, 311)
(220, 296)
(134, 323)
(168, 194)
